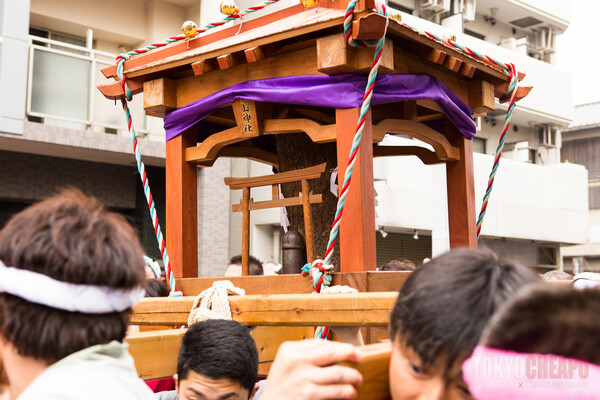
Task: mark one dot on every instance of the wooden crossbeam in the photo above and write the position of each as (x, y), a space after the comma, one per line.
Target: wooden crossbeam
(286, 202)
(441, 145)
(317, 133)
(282, 177)
(357, 309)
(247, 152)
(155, 353)
(426, 156)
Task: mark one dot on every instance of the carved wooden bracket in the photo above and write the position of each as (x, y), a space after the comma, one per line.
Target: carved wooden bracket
(443, 150)
(247, 126)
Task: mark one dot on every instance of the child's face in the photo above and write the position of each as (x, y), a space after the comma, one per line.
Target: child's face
(411, 379)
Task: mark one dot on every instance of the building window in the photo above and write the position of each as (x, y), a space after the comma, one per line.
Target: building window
(532, 154)
(546, 255)
(474, 34)
(479, 145)
(398, 6)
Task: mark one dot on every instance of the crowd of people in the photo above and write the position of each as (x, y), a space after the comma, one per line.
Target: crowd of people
(466, 324)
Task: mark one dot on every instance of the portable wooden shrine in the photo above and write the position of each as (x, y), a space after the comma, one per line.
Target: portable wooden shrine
(289, 86)
(232, 94)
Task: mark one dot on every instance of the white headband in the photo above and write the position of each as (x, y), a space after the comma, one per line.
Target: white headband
(88, 299)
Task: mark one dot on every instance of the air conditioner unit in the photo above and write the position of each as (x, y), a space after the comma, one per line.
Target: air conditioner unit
(435, 5)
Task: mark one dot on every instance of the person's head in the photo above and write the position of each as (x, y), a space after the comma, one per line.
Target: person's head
(543, 332)
(548, 319)
(439, 315)
(218, 359)
(152, 269)
(235, 266)
(71, 239)
(403, 264)
(557, 275)
(155, 288)
(272, 268)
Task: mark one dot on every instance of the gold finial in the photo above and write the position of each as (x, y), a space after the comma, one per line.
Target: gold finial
(189, 28)
(229, 8)
(450, 38)
(397, 17)
(310, 3)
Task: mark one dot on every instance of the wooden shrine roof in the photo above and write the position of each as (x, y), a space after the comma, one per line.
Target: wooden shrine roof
(289, 26)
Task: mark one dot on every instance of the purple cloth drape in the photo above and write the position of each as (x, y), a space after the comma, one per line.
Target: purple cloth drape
(338, 91)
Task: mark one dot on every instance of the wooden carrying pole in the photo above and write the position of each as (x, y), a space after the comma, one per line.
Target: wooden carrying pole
(344, 309)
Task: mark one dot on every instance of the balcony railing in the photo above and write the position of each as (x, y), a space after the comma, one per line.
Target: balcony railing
(62, 90)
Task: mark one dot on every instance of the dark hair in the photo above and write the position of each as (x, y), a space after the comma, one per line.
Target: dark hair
(548, 319)
(155, 288)
(443, 307)
(557, 275)
(71, 238)
(254, 268)
(219, 349)
(403, 264)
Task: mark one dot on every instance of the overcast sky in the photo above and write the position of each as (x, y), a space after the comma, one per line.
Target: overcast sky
(578, 50)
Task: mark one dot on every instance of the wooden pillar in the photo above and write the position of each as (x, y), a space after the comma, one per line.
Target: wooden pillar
(308, 230)
(461, 191)
(182, 213)
(246, 231)
(357, 230)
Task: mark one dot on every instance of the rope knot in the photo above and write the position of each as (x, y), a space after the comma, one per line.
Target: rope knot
(319, 272)
(213, 303)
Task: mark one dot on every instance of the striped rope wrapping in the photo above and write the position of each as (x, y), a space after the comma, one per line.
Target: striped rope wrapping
(151, 207)
(513, 97)
(145, 182)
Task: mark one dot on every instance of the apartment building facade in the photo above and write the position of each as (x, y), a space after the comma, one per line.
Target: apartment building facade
(581, 143)
(57, 130)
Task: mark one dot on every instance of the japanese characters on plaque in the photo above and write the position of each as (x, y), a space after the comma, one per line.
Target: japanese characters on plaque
(246, 117)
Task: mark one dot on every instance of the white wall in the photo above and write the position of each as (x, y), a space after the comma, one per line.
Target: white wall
(528, 201)
(557, 8)
(14, 24)
(546, 203)
(119, 21)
